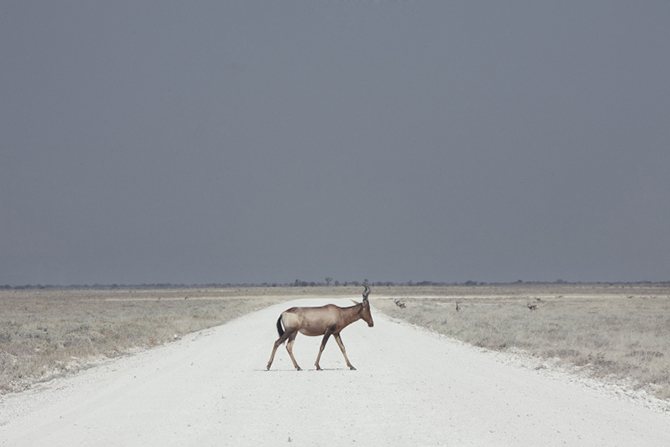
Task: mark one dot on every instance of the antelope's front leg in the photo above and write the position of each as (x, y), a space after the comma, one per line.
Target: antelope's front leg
(338, 339)
(323, 345)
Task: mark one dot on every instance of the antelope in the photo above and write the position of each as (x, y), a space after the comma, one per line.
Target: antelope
(314, 321)
(531, 306)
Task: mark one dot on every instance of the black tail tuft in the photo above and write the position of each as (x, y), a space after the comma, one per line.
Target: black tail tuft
(280, 330)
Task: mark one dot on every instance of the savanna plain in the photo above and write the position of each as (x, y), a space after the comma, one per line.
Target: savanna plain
(611, 332)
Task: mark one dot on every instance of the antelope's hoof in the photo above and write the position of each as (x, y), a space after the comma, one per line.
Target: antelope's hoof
(298, 368)
(351, 367)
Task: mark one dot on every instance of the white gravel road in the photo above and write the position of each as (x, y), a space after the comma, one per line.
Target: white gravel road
(411, 388)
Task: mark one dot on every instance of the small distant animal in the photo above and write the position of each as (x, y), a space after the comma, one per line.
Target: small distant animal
(539, 300)
(458, 307)
(400, 304)
(531, 306)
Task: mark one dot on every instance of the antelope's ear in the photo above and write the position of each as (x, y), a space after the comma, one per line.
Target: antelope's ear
(355, 302)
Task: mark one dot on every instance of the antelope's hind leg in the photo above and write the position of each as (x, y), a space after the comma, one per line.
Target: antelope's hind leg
(289, 348)
(277, 344)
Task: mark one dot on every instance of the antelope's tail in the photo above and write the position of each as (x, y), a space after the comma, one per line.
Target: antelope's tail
(280, 330)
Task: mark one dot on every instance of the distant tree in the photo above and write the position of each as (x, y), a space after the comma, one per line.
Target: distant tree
(328, 281)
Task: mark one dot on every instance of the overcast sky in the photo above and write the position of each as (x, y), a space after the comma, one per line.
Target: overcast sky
(269, 141)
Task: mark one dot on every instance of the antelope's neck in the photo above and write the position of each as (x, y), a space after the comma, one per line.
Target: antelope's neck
(350, 315)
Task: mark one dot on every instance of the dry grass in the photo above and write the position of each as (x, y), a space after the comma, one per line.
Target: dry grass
(620, 332)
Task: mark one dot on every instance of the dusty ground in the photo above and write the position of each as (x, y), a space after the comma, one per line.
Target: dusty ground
(412, 387)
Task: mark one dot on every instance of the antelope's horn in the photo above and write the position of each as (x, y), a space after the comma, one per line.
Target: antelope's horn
(366, 292)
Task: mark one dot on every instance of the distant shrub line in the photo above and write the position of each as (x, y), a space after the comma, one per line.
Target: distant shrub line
(328, 283)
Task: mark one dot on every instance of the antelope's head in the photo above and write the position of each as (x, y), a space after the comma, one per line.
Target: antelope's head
(365, 308)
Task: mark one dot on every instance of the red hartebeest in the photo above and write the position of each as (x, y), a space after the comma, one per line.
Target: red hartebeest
(314, 321)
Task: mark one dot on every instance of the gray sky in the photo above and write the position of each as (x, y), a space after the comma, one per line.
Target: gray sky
(252, 141)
